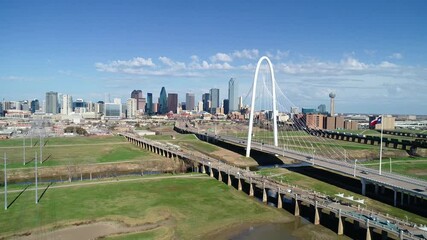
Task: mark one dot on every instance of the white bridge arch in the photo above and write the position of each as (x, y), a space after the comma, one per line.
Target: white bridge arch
(251, 117)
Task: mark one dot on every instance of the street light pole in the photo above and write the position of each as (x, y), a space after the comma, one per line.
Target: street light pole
(354, 173)
(345, 155)
(381, 143)
(314, 152)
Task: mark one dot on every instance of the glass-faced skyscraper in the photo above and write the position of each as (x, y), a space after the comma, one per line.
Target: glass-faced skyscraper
(149, 106)
(163, 101)
(233, 99)
(52, 102)
(214, 92)
(206, 98)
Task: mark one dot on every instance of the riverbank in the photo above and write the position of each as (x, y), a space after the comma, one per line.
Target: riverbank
(187, 206)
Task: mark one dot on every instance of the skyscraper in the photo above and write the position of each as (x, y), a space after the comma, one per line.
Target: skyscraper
(149, 105)
(214, 92)
(51, 102)
(35, 105)
(136, 94)
(233, 100)
(131, 108)
(206, 97)
(163, 101)
(67, 104)
(140, 100)
(189, 101)
(226, 104)
(173, 102)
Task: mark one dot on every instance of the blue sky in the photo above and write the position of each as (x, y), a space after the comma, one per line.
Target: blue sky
(371, 53)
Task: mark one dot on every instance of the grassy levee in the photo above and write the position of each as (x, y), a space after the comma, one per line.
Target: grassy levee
(409, 166)
(191, 143)
(76, 150)
(192, 206)
(188, 141)
(306, 182)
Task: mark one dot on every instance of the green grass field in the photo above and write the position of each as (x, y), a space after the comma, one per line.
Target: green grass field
(410, 166)
(186, 140)
(195, 205)
(76, 150)
(306, 182)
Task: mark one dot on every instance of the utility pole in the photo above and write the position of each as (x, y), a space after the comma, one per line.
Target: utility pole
(35, 175)
(5, 183)
(41, 148)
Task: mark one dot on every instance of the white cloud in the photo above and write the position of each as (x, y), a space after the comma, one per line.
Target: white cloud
(219, 66)
(246, 54)
(352, 63)
(173, 64)
(119, 65)
(221, 57)
(396, 56)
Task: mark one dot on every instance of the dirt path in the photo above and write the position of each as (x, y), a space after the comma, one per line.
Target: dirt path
(93, 230)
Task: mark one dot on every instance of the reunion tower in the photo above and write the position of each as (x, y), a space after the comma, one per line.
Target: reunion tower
(332, 97)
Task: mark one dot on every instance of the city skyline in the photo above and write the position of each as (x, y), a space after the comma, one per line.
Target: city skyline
(369, 53)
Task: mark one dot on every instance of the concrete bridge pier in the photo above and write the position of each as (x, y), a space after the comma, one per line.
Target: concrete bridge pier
(203, 169)
(368, 232)
(219, 175)
(228, 179)
(239, 184)
(296, 212)
(316, 214)
(340, 224)
(264, 193)
(251, 189)
(211, 172)
(376, 188)
(279, 199)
